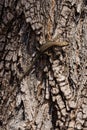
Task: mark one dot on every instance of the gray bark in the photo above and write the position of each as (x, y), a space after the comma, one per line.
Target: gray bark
(53, 96)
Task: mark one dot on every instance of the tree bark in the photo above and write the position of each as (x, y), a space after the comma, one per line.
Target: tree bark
(53, 94)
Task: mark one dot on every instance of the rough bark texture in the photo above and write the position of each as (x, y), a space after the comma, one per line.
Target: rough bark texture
(54, 94)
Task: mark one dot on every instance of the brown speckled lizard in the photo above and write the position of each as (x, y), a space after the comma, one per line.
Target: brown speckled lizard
(43, 48)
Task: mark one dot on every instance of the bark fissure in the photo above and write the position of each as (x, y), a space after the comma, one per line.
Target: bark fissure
(54, 94)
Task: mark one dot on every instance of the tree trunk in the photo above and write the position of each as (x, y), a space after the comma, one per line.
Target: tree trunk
(43, 90)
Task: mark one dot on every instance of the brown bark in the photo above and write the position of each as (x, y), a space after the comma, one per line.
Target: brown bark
(53, 96)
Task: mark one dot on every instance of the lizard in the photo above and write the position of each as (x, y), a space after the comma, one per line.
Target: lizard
(43, 49)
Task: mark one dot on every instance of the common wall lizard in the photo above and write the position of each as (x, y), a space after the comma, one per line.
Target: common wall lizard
(43, 48)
